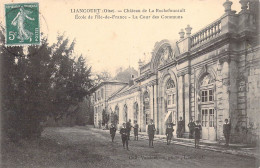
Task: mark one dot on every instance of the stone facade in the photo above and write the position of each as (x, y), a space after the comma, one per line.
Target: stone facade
(209, 76)
(100, 95)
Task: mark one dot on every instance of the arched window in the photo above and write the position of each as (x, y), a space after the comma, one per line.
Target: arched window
(207, 106)
(170, 84)
(136, 111)
(147, 106)
(111, 116)
(206, 80)
(116, 115)
(170, 92)
(146, 101)
(206, 89)
(117, 110)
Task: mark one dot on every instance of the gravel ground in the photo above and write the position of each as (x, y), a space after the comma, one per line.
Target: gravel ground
(81, 147)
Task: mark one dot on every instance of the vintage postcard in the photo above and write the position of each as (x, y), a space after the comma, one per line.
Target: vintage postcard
(130, 83)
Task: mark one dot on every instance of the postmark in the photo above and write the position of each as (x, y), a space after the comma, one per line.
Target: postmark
(22, 24)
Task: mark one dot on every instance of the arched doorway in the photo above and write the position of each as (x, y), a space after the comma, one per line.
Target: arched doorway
(116, 115)
(170, 109)
(125, 113)
(207, 112)
(111, 116)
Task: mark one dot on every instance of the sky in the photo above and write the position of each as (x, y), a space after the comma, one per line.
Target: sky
(110, 44)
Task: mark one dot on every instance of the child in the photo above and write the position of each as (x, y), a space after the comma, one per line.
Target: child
(169, 131)
(112, 132)
(136, 127)
(197, 130)
(124, 136)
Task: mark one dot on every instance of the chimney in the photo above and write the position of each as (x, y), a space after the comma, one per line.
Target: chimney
(227, 5)
(188, 30)
(244, 4)
(140, 63)
(181, 33)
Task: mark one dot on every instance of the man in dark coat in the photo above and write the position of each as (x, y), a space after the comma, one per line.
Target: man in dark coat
(191, 126)
(151, 131)
(226, 131)
(136, 127)
(197, 131)
(112, 132)
(169, 131)
(123, 132)
(180, 128)
(128, 127)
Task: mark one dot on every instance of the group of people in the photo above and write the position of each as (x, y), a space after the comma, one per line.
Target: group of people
(195, 132)
(125, 132)
(126, 129)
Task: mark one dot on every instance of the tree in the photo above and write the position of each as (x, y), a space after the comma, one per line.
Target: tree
(102, 77)
(71, 79)
(125, 75)
(45, 82)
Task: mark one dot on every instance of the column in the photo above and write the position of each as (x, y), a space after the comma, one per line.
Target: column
(180, 97)
(226, 95)
(141, 112)
(156, 107)
(151, 102)
(187, 100)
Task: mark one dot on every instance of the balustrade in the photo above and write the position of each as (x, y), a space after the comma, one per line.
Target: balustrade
(207, 33)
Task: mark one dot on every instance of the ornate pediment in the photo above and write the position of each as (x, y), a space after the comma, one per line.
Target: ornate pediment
(207, 80)
(165, 54)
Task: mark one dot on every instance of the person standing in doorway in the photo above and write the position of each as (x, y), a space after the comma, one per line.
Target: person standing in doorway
(197, 131)
(136, 127)
(151, 131)
(123, 132)
(226, 131)
(128, 127)
(112, 132)
(191, 126)
(169, 133)
(180, 128)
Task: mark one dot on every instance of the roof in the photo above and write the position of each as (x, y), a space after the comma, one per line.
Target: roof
(123, 90)
(112, 82)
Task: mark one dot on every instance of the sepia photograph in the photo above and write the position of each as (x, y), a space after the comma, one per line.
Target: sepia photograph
(130, 83)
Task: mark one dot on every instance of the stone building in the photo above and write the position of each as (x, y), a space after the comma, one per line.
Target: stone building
(209, 75)
(100, 95)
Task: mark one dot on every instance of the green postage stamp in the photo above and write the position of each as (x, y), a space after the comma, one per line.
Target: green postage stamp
(22, 24)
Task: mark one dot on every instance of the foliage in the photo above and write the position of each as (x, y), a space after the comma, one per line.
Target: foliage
(102, 77)
(45, 82)
(125, 75)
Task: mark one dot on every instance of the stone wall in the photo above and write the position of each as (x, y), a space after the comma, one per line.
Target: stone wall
(248, 85)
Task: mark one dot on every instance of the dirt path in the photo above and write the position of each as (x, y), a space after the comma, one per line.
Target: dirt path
(80, 147)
